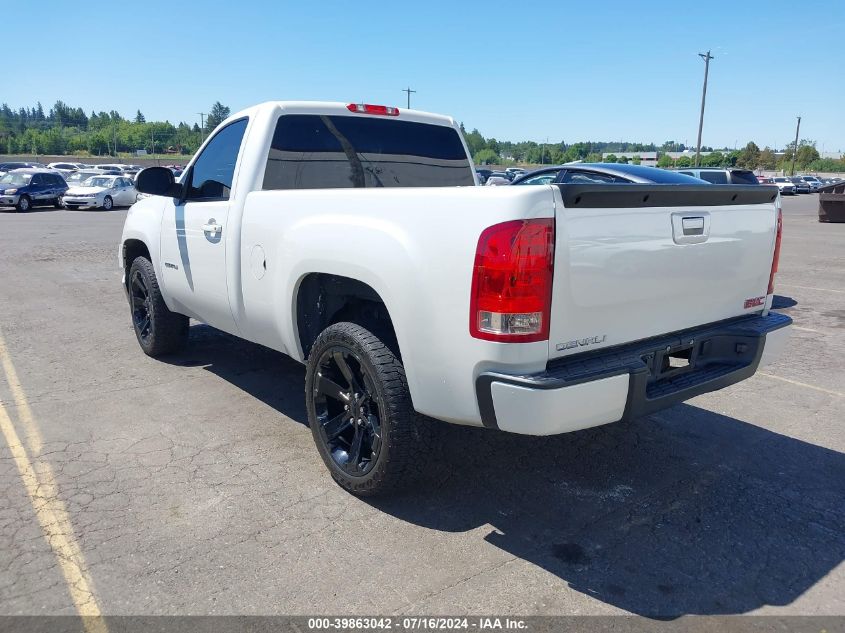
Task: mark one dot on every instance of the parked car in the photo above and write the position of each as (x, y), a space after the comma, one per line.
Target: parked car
(722, 175)
(815, 183)
(497, 179)
(101, 192)
(604, 173)
(115, 167)
(5, 168)
(78, 177)
(28, 188)
(65, 168)
(785, 185)
(514, 172)
(801, 185)
(483, 175)
(542, 310)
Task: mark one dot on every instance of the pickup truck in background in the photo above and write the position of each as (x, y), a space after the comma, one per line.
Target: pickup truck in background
(353, 239)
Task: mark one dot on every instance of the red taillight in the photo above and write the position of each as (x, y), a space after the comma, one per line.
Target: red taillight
(512, 282)
(368, 108)
(776, 256)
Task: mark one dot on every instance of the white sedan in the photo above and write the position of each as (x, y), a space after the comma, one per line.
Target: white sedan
(101, 192)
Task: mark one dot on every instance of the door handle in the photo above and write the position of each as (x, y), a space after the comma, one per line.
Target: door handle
(690, 229)
(212, 227)
(693, 226)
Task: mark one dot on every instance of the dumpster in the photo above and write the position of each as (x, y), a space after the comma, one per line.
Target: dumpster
(832, 202)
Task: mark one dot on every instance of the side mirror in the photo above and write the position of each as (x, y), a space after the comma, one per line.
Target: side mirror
(158, 181)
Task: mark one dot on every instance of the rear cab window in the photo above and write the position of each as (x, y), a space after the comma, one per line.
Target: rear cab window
(338, 151)
(715, 177)
(744, 177)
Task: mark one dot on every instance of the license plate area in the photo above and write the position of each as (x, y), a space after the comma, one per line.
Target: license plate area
(672, 361)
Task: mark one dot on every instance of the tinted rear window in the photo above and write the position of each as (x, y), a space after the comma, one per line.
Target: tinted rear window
(331, 152)
(744, 177)
(716, 177)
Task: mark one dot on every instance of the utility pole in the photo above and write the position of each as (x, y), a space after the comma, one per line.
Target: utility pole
(202, 126)
(409, 91)
(795, 149)
(706, 57)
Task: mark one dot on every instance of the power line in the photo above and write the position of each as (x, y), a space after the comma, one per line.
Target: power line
(409, 91)
(706, 57)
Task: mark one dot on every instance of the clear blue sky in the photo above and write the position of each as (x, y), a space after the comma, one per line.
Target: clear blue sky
(515, 70)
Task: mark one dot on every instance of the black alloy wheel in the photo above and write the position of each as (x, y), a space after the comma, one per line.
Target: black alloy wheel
(348, 410)
(142, 313)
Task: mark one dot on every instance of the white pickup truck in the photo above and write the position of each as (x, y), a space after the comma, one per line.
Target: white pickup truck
(353, 239)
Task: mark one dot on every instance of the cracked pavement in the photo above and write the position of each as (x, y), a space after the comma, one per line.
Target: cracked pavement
(193, 487)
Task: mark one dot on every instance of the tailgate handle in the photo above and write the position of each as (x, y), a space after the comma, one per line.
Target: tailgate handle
(693, 226)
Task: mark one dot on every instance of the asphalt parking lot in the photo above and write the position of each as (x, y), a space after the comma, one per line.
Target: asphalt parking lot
(192, 486)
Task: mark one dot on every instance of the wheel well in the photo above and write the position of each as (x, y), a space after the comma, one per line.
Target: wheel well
(131, 250)
(325, 299)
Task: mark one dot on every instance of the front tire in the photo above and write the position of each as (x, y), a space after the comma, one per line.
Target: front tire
(360, 412)
(24, 204)
(108, 203)
(158, 330)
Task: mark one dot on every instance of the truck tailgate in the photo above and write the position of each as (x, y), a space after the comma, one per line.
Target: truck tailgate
(637, 261)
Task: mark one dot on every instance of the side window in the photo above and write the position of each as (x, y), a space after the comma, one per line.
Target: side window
(540, 179)
(213, 171)
(576, 177)
(688, 173)
(715, 177)
(36, 181)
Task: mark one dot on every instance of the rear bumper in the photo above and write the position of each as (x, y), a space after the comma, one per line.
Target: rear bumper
(629, 381)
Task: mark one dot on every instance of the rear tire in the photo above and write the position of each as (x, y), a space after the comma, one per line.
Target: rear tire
(57, 203)
(24, 204)
(360, 413)
(158, 330)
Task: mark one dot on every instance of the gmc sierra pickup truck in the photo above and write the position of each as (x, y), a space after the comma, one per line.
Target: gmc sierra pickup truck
(353, 239)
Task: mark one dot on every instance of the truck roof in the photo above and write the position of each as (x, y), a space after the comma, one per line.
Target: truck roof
(341, 108)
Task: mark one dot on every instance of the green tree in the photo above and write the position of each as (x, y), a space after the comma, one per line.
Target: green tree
(713, 159)
(139, 117)
(683, 161)
(622, 159)
(593, 157)
(665, 161)
(218, 114)
(767, 158)
(807, 153)
(749, 157)
(637, 159)
(610, 158)
(486, 157)
(475, 142)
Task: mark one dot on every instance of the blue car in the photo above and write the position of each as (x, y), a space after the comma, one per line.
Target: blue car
(27, 188)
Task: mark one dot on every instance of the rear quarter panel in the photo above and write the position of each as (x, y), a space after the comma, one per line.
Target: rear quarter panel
(416, 248)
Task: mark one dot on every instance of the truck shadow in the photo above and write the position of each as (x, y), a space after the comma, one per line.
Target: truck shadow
(684, 512)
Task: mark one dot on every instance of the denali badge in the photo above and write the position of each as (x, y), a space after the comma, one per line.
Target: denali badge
(581, 342)
(169, 265)
(754, 302)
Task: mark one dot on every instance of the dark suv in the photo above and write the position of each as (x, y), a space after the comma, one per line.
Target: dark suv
(27, 188)
(722, 175)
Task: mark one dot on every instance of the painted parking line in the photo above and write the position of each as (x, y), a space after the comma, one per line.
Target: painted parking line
(802, 384)
(780, 283)
(32, 434)
(40, 485)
